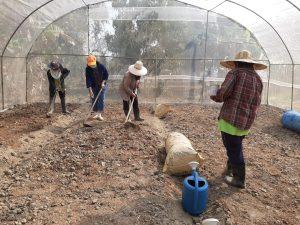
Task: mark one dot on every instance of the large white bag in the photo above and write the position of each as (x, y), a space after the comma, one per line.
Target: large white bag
(179, 153)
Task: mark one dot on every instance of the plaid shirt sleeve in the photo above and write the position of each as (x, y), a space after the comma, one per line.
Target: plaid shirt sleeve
(226, 88)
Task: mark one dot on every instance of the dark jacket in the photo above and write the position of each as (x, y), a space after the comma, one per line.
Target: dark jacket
(64, 73)
(127, 86)
(95, 76)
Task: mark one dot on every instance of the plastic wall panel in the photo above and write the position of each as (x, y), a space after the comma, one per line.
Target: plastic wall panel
(117, 67)
(143, 37)
(178, 13)
(284, 17)
(263, 32)
(14, 81)
(75, 82)
(69, 35)
(215, 74)
(264, 75)
(88, 2)
(296, 97)
(280, 90)
(23, 39)
(38, 87)
(182, 83)
(225, 38)
(296, 3)
(204, 4)
(12, 14)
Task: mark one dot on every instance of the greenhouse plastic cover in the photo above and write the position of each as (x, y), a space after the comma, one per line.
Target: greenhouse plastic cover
(270, 28)
(275, 23)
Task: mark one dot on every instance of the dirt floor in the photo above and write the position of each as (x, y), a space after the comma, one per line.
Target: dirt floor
(56, 171)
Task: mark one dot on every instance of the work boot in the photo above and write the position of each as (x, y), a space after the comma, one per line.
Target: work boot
(228, 169)
(63, 106)
(51, 106)
(238, 176)
(137, 116)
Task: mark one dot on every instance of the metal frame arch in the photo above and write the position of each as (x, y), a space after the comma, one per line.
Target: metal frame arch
(292, 60)
(293, 4)
(211, 11)
(60, 17)
(12, 35)
(99, 2)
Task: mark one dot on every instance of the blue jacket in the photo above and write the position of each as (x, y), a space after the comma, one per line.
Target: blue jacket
(95, 78)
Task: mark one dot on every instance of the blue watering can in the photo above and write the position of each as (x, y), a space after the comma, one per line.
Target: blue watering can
(194, 193)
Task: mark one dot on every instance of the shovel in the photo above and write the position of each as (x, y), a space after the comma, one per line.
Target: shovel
(128, 123)
(85, 123)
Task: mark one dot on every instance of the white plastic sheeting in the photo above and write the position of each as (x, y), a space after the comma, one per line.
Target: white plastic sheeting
(273, 23)
(275, 20)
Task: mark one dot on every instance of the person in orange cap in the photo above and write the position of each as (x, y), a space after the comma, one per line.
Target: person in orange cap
(96, 78)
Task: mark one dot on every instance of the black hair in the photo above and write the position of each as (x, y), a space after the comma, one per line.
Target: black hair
(244, 65)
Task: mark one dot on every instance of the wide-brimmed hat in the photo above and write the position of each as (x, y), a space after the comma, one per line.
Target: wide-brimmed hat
(138, 69)
(54, 65)
(91, 61)
(246, 57)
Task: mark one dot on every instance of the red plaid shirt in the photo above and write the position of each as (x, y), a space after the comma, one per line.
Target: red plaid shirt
(241, 94)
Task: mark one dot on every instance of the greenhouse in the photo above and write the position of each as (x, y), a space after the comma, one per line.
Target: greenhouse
(56, 170)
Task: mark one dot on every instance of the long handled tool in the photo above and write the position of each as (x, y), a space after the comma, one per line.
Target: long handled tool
(127, 122)
(91, 109)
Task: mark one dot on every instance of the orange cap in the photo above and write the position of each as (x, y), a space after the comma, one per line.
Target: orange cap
(91, 60)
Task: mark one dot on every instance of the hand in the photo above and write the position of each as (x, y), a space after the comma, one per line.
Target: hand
(213, 97)
(91, 93)
(132, 94)
(103, 84)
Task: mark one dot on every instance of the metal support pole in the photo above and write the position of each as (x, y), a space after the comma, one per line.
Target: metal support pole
(2, 85)
(88, 34)
(205, 50)
(26, 83)
(155, 83)
(268, 87)
(293, 79)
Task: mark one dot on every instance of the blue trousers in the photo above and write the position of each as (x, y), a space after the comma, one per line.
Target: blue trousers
(234, 148)
(99, 106)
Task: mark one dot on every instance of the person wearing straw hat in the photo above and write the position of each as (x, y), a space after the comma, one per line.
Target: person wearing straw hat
(241, 96)
(96, 78)
(128, 87)
(56, 78)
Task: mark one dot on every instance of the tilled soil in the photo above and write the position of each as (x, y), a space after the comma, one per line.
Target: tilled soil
(65, 173)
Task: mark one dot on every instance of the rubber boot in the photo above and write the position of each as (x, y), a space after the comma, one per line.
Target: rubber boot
(63, 105)
(238, 176)
(51, 106)
(228, 169)
(137, 116)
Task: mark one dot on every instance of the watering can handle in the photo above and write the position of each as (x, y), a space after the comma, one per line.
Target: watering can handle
(196, 189)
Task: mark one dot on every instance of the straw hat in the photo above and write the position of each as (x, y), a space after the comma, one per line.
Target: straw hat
(137, 69)
(243, 56)
(91, 60)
